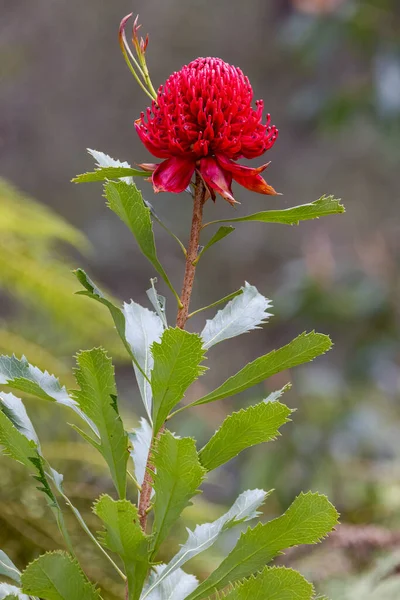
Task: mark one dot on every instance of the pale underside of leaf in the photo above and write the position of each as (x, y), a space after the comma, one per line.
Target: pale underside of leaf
(158, 301)
(140, 439)
(14, 409)
(104, 160)
(245, 312)
(11, 592)
(174, 587)
(22, 376)
(8, 568)
(205, 535)
(143, 327)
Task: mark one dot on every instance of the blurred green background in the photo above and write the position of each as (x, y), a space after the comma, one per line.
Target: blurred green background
(329, 72)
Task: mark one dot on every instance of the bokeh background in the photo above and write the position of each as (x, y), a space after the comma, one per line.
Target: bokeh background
(329, 72)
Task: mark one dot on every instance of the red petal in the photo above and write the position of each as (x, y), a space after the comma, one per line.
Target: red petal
(153, 148)
(256, 183)
(216, 178)
(173, 175)
(240, 170)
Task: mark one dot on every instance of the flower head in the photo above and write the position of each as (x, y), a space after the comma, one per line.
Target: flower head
(203, 119)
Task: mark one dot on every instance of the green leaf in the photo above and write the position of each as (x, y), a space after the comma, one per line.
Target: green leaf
(92, 291)
(124, 536)
(205, 535)
(8, 568)
(273, 583)
(11, 592)
(127, 202)
(303, 349)
(97, 399)
(177, 361)
(326, 205)
(109, 173)
(218, 235)
(57, 576)
(177, 478)
(243, 429)
(20, 375)
(143, 328)
(307, 521)
(15, 444)
(242, 314)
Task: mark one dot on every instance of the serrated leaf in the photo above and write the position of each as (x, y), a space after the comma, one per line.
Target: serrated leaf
(143, 327)
(57, 576)
(92, 291)
(15, 444)
(326, 205)
(204, 536)
(218, 302)
(176, 480)
(8, 568)
(274, 396)
(159, 302)
(177, 361)
(307, 521)
(219, 235)
(174, 587)
(18, 445)
(245, 312)
(97, 399)
(127, 202)
(273, 583)
(14, 409)
(140, 439)
(104, 160)
(20, 375)
(104, 173)
(303, 349)
(11, 592)
(124, 536)
(243, 429)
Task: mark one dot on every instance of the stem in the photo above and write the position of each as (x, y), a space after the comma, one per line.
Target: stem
(192, 251)
(190, 269)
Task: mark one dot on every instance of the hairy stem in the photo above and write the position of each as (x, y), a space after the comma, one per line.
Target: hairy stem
(192, 251)
(190, 269)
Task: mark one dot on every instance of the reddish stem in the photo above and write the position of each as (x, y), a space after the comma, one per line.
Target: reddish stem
(192, 251)
(190, 269)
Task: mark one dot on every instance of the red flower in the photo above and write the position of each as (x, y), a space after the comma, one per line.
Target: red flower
(203, 119)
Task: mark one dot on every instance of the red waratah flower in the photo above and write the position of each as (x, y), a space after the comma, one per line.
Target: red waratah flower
(203, 119)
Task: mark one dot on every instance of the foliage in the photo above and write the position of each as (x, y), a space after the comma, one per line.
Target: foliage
(169, 470)
(167, 361)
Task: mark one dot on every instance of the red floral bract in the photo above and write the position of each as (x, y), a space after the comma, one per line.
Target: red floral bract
(203, 119)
